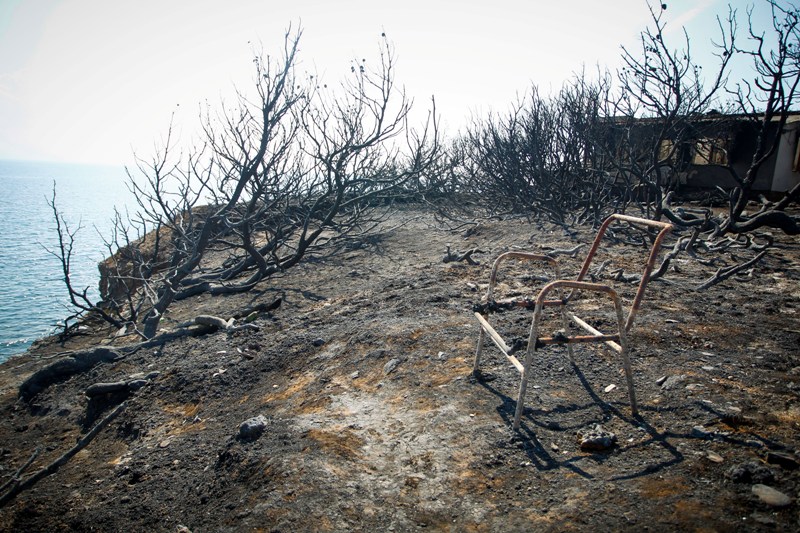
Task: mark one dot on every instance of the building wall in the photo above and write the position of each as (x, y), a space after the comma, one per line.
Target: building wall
(775, 175)
(785, 177)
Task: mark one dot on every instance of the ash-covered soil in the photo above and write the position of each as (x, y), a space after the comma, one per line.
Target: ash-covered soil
(374, 422)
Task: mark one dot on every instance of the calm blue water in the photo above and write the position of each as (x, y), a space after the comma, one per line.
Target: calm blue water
(32, 294)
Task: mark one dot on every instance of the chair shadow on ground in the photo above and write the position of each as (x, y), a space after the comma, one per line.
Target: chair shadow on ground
(543, 459)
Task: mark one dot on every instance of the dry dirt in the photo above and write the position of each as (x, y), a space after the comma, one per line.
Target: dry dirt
(351, 445)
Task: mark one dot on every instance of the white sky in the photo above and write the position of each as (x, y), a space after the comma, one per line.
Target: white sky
(93, 80)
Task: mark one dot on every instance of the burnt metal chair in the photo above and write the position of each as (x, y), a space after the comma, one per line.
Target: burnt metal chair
(547, 297)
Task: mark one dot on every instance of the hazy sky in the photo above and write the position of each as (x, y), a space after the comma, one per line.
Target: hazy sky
(93, 80)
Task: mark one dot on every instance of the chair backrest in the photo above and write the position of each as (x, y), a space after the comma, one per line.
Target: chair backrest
(664, 227)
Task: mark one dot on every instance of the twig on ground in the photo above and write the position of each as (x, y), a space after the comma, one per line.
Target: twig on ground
(15, 478)
(599, 270)
(55, 465)
(572, 252)
(724, 273)
(456, 257)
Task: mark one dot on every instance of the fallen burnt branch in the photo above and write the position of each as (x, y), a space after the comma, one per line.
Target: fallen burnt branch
(619, 275)
(682, 244)
(79, 362)
(260, 308)
(169, 336)
(457, 257)
(711, 262)
(596, 273)
(16, 488)
(572, 252)
(684, 218)
(215, 323)
(761, 247)
(772, 219)
(129, 385)
(724, 273)
(15, 478)
(63, 369)
(205, 324)
(729, 242)
(201, 325)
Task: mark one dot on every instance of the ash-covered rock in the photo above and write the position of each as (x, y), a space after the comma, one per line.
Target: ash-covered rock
(596, 439)
(253, 428)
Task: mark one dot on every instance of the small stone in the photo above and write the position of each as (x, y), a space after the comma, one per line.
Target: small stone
(390, 366)
(714, 457)
(318, 342)
(610, 388)
(661, 380)
(252, 428)
(784, 460)
(596, 439)
(672, 382)
(700, 431)
(554, 446)
(709, 368)
(770, 496)
(751, 472)
(354, 375)
(136, 384)
(164, 443)
(764, 519)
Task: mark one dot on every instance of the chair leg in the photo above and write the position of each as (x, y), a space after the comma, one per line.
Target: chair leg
(565, 325)
(526, 367)
(626, 363)
(523, 385)
(478, 351)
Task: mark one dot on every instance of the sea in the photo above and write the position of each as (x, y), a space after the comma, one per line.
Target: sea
(33, 297)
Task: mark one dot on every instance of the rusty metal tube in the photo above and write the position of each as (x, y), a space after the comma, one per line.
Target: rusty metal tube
(665, 228)
(524, 256)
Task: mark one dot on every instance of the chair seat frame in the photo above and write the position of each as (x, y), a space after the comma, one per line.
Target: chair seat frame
(617, 341)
